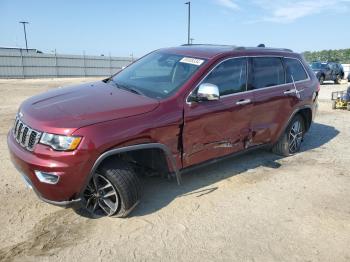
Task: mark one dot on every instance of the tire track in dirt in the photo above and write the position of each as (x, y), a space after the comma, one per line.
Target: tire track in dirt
(55, 232)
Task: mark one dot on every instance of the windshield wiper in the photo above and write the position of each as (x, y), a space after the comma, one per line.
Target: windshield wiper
(107, 79)
(127, 88)
(131, 89)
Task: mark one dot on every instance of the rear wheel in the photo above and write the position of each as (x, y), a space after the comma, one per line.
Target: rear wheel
(114, 190)
(338, 79)
(290, 141)
(321, 79)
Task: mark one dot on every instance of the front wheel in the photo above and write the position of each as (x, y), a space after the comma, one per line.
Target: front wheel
(114, 190)
(290, 141)
(338, 79)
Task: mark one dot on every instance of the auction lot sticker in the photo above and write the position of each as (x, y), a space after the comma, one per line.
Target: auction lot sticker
(192, 61)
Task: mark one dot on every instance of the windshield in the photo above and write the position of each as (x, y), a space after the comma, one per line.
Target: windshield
(318, 66)
(158, 74)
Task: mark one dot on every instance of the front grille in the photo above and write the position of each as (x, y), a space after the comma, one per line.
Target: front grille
(24, 135)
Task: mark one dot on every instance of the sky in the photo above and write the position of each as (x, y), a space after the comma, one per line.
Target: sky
(135, 27)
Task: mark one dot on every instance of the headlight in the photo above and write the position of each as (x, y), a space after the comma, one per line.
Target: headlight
(60, 143)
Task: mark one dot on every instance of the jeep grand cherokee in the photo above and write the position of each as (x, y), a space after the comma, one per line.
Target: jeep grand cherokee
(174, 108)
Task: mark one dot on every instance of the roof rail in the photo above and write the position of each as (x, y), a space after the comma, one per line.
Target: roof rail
(237, 48)
(233, 46)
(263, 48)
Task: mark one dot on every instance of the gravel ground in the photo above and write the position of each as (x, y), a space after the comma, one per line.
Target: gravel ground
(257, 207)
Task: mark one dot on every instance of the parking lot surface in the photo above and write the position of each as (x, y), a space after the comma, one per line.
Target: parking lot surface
(256, 207)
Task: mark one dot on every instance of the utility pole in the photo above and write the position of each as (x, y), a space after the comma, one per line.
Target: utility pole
(25, 33)
(189, 23)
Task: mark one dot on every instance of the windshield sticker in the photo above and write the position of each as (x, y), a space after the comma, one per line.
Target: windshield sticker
(192, 61)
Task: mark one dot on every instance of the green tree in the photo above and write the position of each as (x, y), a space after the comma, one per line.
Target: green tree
(340, 56)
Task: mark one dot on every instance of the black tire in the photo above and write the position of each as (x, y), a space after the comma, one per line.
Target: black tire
(321, 79)
(283, 146)
(338, 79)
(348, 106)
(125, 183)
(334, 104)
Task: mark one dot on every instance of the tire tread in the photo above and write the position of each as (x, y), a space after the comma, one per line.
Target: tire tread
(124, 178)
(282, 147)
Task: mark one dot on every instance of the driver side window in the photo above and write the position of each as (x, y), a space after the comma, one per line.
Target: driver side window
(230, 76)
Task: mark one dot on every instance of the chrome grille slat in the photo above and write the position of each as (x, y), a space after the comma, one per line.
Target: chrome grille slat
(19, 131)
(16, 126)
(32, 138)
(26, 142)
(25, 135)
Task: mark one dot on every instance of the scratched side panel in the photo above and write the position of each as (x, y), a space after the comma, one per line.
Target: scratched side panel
(216, 128)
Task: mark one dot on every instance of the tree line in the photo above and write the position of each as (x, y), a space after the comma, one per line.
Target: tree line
(340, 56)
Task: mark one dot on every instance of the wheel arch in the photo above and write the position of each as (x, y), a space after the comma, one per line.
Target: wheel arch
(135, 148)
(305, 112)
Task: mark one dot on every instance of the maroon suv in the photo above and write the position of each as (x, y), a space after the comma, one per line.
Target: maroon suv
(174, 108)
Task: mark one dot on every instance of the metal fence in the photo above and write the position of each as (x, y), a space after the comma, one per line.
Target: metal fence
(18, 63)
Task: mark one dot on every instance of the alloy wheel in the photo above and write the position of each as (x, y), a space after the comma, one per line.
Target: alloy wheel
(101, 197)
(321, 80)
(295, 137)
(338, 80)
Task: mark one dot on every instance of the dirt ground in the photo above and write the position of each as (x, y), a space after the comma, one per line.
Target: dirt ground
(257, 207)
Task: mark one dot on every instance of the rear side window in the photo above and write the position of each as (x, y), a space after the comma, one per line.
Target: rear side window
(294, 68)
(230, 76)
(266, 72)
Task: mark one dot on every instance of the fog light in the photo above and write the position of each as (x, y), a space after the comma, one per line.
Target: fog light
(48, 178)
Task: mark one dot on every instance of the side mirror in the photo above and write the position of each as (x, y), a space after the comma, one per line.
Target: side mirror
(208, 92)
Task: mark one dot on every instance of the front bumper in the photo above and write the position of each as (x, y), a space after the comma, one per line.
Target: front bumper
(65, 204)
(71, 167)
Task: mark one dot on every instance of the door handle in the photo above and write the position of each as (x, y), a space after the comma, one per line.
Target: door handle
(288, 92)
(243, 102)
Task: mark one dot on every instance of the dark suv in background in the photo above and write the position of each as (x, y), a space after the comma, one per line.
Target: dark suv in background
(328, 71)
(173, 109)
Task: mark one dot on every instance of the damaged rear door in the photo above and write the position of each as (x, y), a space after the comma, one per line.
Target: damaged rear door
(216, 128)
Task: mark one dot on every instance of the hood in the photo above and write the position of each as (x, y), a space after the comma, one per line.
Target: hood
(77, 106)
